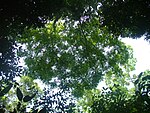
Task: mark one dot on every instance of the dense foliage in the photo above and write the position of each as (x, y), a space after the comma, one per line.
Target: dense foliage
(118, 99)
(79, 55)
(71, 46)
(122, 17)
(127, 17)
(8, 60)
(119, 15)
(16, 15)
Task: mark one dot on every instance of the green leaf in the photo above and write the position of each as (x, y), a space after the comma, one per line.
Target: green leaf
(5, 90)
(19, 94)
(139, 76)
(146, 78)
(27, 98)
(136, 82)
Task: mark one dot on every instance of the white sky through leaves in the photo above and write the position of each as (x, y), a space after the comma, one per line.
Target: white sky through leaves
(141, 51)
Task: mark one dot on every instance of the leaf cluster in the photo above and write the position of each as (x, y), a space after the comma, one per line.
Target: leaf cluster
(116, 99)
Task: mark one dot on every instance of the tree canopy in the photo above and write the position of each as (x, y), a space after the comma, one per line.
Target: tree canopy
(16, 15)
(71, 46)
(80, 55)
(127, 17)
(122, 18)
(8, 60)
(118, 99)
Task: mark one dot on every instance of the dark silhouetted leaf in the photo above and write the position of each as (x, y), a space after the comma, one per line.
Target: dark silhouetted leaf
(19, 94)
(43, 110)
(35, 111)
(2, 110)
(139, 76)
(27, 98)
(17, 83)
(18, 106)
(136, 82)
(146, 78)
(5, 90)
